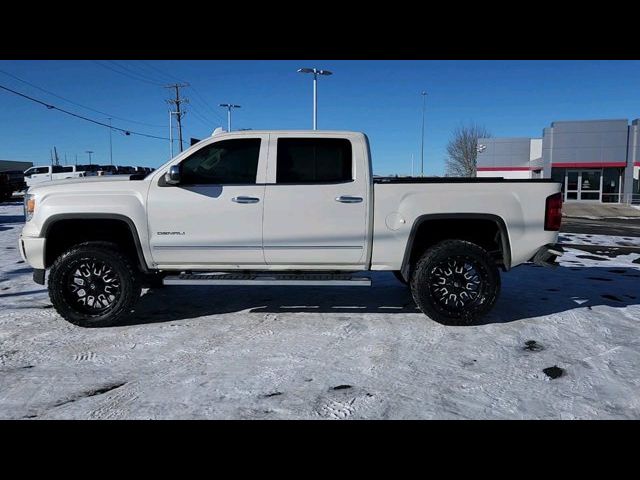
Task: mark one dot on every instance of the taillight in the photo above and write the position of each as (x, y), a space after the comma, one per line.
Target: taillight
(553, 212)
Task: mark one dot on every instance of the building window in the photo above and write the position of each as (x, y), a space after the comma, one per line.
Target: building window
(611, 185)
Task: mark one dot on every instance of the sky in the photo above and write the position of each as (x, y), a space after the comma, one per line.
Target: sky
(380, 98)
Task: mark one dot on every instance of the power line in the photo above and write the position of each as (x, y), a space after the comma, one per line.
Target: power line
(53, 107)
(205, 103)
(205, 115)
(126, 68)
(76, 103)
(148, 65)
(126, 74)
(201, 118)
(129, 72)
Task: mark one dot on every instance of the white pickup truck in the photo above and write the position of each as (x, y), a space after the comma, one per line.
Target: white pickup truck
(46, 173)
(283, 208)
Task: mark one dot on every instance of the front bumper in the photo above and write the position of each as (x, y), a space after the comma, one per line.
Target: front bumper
(546, 256)
(32, 251)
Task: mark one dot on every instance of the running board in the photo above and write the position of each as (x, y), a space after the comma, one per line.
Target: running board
(303, 279)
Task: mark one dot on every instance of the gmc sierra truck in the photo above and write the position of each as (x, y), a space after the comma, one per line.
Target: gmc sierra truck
(283, 208)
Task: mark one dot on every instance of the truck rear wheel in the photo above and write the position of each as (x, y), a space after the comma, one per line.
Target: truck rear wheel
(93, 285)
(455, 282)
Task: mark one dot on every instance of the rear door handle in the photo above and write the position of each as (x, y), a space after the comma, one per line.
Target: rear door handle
(348, 199)
(245, 199)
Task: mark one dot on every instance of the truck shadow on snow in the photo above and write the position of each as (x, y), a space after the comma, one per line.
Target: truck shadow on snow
(527, 292)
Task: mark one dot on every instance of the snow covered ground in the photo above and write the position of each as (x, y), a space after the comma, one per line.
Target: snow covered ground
(276, 352)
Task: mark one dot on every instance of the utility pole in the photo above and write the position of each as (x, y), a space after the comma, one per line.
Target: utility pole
(171, 134)
(412, 164)
(229, 106)
(76, 159)
(110, 142)
(424, 104)
(177, 102)
(89, 152)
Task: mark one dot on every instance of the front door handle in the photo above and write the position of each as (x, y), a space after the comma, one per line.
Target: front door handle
(348, 199)
(245, 199)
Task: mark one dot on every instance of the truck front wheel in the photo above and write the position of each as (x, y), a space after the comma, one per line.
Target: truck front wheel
(93, 285)
(455, 282)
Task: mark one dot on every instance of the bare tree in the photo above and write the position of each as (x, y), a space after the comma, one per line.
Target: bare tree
(462, 150)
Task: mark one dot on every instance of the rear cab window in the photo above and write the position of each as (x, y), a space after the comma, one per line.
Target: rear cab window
(314, 161)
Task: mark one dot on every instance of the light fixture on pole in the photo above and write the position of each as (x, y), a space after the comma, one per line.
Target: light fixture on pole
(89, 152)
(424, 104)
(316, 72)
(229, 106)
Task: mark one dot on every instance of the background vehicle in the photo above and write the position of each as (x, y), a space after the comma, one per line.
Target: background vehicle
(284, 208)
(126, 170)
(6, 189)
(15, 179)
(107, 170)
(88, 170)
(36, 175)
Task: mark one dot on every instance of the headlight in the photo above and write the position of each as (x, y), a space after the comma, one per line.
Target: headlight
(29, 206)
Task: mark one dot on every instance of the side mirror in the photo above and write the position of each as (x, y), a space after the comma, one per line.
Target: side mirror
(172, 177)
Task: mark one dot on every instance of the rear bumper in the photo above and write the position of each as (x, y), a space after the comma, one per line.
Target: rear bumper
(546, 256)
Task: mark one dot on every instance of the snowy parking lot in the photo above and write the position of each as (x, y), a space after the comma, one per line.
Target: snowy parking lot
(334, 353)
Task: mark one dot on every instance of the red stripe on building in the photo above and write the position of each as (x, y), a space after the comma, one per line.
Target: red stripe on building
(636, 164)
(589, 164)
(505, 169)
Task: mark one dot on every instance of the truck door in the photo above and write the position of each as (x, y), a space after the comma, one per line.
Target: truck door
(214, 216)
(316, 201)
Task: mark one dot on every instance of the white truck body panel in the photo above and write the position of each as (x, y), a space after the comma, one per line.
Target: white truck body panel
(201, 225)
(306, 226)
(399, 205)
(289, 227)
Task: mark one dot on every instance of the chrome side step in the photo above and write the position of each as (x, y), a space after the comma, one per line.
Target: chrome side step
(303, 279)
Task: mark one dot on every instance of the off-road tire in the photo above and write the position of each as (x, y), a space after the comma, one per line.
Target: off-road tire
(101, 253)
(469, 260)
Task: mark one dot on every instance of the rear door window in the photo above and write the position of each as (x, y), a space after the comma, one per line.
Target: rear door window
(314, 160)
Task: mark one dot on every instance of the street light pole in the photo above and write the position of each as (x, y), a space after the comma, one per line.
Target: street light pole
(315, 72)
(424, 104)
(89, 152)
(229, 106)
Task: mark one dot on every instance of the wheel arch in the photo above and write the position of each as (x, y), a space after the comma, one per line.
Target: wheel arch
(421, 222)
(54, 220)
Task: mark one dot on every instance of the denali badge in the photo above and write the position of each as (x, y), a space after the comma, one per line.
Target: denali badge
(170, 233)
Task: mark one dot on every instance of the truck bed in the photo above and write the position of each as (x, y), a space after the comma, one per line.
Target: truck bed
(387, 180)
(400, 202)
